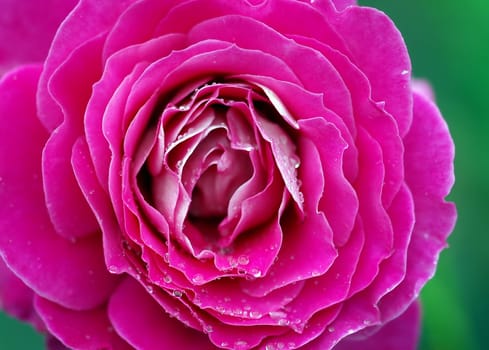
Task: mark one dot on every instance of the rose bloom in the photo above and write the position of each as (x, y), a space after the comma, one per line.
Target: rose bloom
(207, 174)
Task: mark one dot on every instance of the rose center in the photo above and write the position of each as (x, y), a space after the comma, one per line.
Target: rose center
(217, 184)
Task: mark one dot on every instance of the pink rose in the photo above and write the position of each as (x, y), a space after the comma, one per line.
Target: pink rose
(211, 174)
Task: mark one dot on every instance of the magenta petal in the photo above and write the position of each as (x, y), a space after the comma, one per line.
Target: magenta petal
(69, 212)
(73, 273)
(27, 28)
(342, 4)
(73, 32)
(429, 153)
(101, 206)
(401, 333)
(339, 201)
(429, 175)
(146, 326)
(16, 299)
(364, 29)
(89, 329)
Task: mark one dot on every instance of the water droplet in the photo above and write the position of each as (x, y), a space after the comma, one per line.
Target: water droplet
(283, 322)
(208, 328)
(240, 345)
(241, 272)
(198, 278)
(183, 108)
(150, 289)
(113, 269)
(404, 72)
(243, 260)
(256, 273)
(315, 273)
(331, 329)
(277, 314)
(167, 279)
(177, 293)
(255, 314)
(301, 197)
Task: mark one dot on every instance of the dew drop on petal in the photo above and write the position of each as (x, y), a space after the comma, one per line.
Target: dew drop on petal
(177, 293)
(198, 278)
(255, 314)
(243, 260)
(167, 279)
(256, 273)
(240, 345)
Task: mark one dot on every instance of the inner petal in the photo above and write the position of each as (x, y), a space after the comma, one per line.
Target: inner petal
(212, 193)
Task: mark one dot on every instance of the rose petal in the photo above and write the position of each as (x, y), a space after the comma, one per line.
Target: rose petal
(377, 226)
(73, 282)
(305, 62)
(309, 240)
(73, 32)
(88, 329)
(16, 299)
(128, 31)
(27, 28)
(373, 117)
(68, 210)
(393, 269)
(429, 175)
(101, 206)
(366, 28)
(331, 288)
(145, 325)
(401, 333)
(119, 68)
(342, 4)
(339, 201)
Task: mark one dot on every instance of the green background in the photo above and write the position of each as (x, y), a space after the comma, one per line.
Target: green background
(449, 45)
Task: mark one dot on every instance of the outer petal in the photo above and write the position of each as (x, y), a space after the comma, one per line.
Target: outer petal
(15, 297)
(73, 32)
(69, 212)
(429, 175)
(375, 42)
(89, 329)
(27, 28)
(342, 4)
(72, 273)
(399, 334)
(146, 326)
